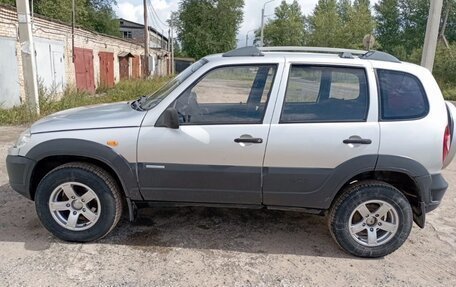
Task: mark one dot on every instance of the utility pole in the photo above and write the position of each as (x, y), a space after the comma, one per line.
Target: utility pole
(432, 34)
(262, 27)
(28, 55)
(262, 22)
(146, 40)
(170, 69)
(172, 48)
(73, 23)
(247, 37)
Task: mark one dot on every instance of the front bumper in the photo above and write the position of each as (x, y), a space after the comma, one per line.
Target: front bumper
(19, 173)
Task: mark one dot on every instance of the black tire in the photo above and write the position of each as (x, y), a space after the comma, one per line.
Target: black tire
(340, 217)
(99, 181)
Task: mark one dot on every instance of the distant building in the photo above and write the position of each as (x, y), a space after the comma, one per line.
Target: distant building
(158, 59)
(134, 32)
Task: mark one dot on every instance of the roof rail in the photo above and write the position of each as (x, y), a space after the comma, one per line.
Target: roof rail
(343, 53)
(244, 52)
(380, 56)
(313, 50)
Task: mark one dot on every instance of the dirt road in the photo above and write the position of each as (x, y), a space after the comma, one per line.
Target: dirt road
(215, 247)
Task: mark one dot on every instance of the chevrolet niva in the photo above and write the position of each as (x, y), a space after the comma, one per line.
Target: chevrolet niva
(358, 136)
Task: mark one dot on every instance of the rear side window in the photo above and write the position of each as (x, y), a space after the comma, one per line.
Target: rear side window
(325, 94)
(402, 96)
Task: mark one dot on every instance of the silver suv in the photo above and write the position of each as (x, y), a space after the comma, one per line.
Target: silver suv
(358, 136)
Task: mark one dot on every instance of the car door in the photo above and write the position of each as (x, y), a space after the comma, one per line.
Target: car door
(324, 132)
(216, 154)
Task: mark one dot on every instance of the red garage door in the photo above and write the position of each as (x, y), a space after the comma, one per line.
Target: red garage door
(83, 63)
(136, 72)
(106, 69)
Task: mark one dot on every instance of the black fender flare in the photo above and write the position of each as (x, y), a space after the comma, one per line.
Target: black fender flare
(125, 171)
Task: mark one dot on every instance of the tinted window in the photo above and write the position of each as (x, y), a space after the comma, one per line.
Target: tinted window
(231, 95)
(319, 94)
(402, 96)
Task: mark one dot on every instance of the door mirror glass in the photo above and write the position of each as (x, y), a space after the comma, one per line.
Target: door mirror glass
(169, 119)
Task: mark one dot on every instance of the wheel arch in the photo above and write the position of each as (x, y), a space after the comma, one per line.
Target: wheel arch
(50, 154)
(408, 176)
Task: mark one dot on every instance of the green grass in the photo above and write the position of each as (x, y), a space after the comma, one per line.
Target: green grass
(449, 93)
(123, 91)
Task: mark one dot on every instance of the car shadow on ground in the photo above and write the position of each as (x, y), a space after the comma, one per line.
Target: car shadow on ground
(208, 229)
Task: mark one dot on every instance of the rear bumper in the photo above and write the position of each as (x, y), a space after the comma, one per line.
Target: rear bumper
(436, 192)
(431, 198)
(19, 173)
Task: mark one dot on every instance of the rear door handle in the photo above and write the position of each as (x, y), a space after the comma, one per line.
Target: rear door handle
(357, 141)
(249, 140)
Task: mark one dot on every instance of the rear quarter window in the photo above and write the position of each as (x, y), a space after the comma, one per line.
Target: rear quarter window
(402, 96)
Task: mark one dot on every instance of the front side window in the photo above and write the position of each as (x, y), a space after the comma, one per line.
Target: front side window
(155, 98)
(402, 96)
(227, 95)
(325, 94)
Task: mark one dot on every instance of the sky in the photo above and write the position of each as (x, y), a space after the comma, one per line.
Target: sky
(133, 10)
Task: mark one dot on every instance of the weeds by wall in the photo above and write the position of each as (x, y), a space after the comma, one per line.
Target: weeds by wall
(123, 91)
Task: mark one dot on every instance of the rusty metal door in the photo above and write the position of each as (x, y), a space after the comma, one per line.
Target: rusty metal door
(106, 69)
(136, 72)
(124, 68)
(83, 63)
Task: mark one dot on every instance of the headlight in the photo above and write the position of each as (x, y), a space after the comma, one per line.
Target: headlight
(23, 139)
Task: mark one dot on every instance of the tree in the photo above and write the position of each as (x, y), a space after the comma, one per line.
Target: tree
(414, 15)
(344, 9)
(208, 26)
(388, 30)
(287, 29)
(8, 2)
(325, 24)
(449, 13)
(95, 15)
(360, 23)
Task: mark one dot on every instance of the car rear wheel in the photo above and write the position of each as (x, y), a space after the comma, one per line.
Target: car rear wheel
(370, 219)
(78, 202)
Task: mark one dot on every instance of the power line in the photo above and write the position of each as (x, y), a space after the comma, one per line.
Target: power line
(154, 16)
(152, 21)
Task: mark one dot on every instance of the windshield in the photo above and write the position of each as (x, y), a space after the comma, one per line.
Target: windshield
(155, 98)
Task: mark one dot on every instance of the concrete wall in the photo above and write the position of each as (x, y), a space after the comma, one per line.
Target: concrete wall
(53, 32)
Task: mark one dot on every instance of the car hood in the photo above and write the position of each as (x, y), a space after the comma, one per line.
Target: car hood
(91, 117)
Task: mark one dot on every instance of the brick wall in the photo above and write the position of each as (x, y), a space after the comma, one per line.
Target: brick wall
(55, 31)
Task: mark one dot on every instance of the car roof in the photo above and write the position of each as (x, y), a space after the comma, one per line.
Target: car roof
(324, 55)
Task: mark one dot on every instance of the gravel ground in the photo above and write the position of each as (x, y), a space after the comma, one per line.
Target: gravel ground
(215, 247)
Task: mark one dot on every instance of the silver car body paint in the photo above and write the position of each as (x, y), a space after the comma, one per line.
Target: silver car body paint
(90, 117)
(316, 145)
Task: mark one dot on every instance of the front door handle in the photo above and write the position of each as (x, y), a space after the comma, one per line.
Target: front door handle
(249, 140)
(357, 141)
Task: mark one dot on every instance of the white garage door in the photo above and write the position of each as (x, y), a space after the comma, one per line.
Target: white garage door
(9, 80)
(50, 64)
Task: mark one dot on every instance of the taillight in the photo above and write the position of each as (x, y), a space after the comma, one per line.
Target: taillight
(446, 142)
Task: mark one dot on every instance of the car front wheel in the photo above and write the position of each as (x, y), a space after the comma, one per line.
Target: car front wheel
(78, 202)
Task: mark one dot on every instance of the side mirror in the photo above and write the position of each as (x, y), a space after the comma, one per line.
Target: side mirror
(170, 119)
